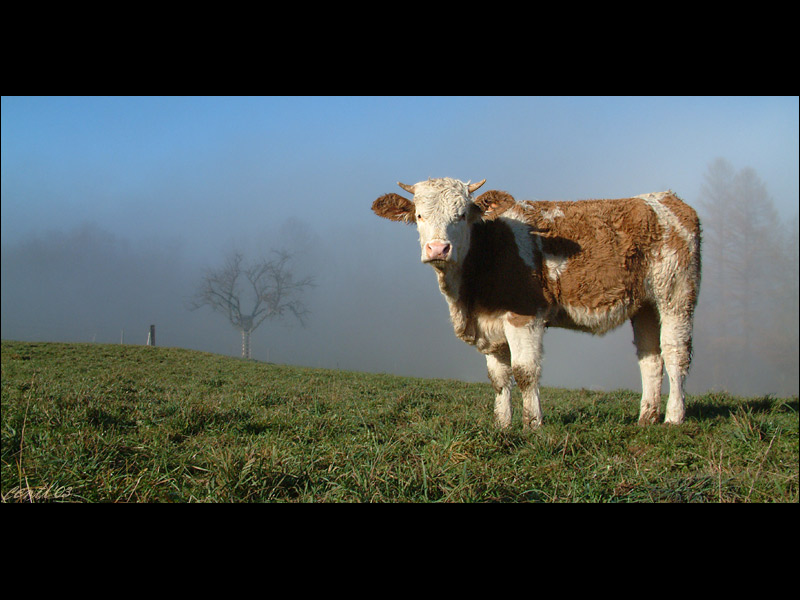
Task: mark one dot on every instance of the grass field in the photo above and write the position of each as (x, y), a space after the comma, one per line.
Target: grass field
(116, 423)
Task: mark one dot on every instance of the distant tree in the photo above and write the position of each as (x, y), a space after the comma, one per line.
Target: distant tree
(781, 337)
(747, 280)
(249, 294)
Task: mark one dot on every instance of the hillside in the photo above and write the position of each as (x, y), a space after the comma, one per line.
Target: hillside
(116, 423)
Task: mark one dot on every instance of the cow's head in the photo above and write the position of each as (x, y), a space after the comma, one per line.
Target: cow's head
(444, 212)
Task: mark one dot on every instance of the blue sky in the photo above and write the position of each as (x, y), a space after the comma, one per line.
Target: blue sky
(189, 166)
(167, 186)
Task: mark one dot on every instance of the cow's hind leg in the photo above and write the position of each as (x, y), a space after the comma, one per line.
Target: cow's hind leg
(676, 349)
(499, 366)
(646, 337)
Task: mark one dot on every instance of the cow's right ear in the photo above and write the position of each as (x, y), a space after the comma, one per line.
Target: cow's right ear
(494, 203)
(395, 208)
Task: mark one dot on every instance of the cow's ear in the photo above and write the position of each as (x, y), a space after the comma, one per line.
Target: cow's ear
(395, 208)
(494, 203)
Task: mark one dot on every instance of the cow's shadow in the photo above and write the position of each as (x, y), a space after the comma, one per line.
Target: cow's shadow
(704, 408)
(556, 245)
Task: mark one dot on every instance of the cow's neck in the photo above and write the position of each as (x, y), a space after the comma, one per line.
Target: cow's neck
(450, 285)
(449, 282)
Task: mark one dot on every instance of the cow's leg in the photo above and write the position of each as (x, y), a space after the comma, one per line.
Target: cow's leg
(676, 349)
(525, 342)
(646, 336)
(499, 366)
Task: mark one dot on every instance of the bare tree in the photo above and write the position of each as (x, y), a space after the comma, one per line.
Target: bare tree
(267, 288)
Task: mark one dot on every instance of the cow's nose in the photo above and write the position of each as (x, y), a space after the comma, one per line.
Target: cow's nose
(437, 250)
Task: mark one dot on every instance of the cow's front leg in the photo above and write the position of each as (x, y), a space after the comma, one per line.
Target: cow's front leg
(525, 341)
(499, 367)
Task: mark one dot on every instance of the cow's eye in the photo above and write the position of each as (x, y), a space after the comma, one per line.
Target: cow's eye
(419, 218)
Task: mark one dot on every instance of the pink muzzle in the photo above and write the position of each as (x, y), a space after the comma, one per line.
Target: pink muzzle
(437, 250)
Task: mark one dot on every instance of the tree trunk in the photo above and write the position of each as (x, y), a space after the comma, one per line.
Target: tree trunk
(245, 343)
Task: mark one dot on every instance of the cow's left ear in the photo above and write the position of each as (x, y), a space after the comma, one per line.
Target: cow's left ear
(395, 208)
(494, 203)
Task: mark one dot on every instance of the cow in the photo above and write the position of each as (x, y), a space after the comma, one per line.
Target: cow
(510, 269)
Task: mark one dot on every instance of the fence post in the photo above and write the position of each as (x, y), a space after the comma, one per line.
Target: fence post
(151, 337)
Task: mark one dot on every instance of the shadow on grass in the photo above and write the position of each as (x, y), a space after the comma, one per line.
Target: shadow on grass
(716, 405)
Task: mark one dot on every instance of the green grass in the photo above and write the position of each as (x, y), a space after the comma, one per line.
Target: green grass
(113, 423)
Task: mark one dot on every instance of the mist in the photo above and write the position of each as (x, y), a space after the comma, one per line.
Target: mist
(368, 313)
(98, 244)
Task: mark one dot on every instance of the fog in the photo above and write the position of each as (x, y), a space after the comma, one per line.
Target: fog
(113, 208)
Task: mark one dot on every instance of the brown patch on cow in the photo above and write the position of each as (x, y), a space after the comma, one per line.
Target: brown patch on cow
(605, 244)
(524, 378)
(650, 417)
(395, 208)
(494, 203)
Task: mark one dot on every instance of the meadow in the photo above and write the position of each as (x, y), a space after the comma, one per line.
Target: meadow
(123, 423)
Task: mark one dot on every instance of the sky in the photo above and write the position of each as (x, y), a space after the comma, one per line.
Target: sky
(140, 194)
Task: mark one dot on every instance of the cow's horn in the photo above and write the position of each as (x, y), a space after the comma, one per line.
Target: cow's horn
(408, 188)
(474, 186)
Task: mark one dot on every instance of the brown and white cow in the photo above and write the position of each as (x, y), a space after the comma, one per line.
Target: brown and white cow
(509, 269)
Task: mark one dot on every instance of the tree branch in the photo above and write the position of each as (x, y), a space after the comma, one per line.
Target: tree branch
(270, 288)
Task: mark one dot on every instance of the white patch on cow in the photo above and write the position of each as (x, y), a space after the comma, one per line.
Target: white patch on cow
(525, 343)
(538, 241)
(500, 375)
(650, 367)
(675, 330)
(491, 335)
(522, 237)
(668, 283)
(441, 205)
(666, 217)
(599, 321)
(555, 265)
(550, 215)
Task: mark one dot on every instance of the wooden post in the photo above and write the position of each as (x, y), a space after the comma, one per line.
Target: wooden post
(151, 337)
